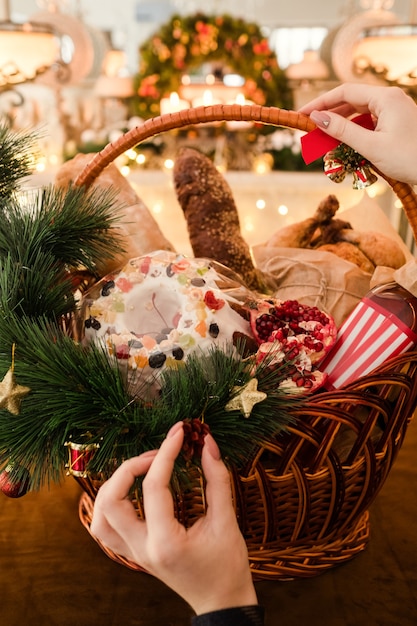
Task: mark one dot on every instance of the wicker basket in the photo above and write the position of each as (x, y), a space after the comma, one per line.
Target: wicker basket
(303, 502)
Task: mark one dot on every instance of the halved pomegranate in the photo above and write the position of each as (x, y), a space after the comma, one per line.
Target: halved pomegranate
(302, 375)
(288, 331)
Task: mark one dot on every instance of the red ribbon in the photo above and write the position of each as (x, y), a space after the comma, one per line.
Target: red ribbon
(317, 143)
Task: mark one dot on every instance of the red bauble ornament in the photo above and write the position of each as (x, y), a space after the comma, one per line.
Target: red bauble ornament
(14, 483)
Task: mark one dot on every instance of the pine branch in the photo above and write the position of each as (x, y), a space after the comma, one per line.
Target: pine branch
(42, 242)
(74, 225)
(42, 288)
(82, 226)
(62, 403)
(16, 159)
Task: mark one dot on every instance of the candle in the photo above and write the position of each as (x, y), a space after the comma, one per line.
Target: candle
(240, 99)
(206, 100)
(239, 125)
(173, 104)
(219, 91)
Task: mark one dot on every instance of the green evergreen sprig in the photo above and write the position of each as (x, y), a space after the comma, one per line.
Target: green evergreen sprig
(37, 289)
(45, 239)
(16, 158)
(73, 224)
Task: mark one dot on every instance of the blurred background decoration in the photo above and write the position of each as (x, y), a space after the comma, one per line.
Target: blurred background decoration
(109, 66)
(377, 46)
(208, 59)
(26, 50)
(85, 71)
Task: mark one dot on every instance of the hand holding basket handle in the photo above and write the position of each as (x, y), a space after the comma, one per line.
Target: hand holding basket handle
(392, 146)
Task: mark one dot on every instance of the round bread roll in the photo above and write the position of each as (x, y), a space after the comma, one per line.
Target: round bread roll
(380, 249)
(349, 252)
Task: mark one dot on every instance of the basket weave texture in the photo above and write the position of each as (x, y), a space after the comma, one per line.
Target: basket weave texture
(303, 502)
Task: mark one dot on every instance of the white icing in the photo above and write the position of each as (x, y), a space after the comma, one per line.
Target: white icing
(161, 308)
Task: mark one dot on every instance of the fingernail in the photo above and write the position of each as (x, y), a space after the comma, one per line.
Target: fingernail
(212, 447)
(174, 429)
(320, 118)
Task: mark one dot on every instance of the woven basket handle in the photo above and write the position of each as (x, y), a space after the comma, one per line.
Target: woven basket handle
(223, 113)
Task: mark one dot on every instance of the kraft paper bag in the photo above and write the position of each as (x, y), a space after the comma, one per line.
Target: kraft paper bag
(314, 278)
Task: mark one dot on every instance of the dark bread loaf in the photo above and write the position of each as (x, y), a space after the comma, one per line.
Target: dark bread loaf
(211, 215)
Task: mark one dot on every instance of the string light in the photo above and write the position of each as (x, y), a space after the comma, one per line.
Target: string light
(168, 164)
(131, 154)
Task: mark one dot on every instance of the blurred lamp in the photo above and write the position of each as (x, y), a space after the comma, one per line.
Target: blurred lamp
(388, 52)
(312, 68)
(26, 50)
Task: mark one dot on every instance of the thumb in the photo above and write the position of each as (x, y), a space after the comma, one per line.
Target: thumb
(218, 485)
(345, 131)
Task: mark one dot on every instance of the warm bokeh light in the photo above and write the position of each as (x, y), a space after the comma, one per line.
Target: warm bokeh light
(157, 208)
(168, 164)
(131, 154)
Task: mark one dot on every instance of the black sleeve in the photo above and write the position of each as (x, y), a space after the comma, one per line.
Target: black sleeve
(240, 616)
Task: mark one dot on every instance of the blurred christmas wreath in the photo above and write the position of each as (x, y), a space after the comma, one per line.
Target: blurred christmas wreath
(187, 42)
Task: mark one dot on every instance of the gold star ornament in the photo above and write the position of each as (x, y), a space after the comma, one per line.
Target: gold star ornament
(11, 393)
(246, 397)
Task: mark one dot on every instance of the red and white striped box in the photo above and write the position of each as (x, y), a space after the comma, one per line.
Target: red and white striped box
(368, 337)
